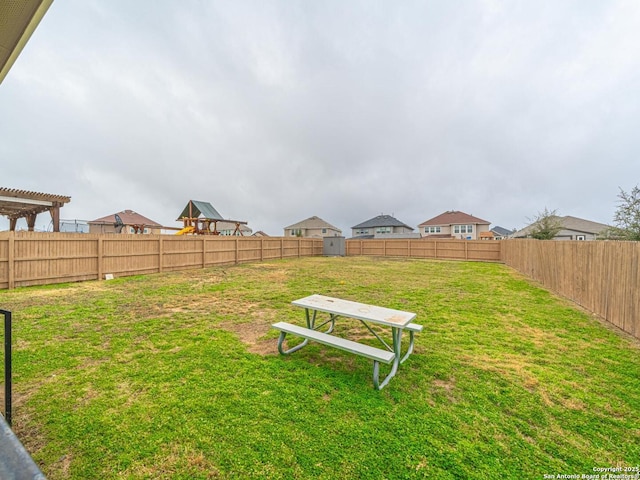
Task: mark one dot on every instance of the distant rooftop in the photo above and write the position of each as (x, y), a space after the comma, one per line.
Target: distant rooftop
(382, 221)
(454, 217)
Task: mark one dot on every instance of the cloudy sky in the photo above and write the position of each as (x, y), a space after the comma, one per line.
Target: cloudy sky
(274, 111)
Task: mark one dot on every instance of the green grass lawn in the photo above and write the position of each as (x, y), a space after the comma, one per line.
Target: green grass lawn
(177, 376)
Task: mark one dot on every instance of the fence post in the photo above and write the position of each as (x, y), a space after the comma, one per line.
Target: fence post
(204, 251)
(11, 261)
(237, 254)
(435, 249)
(160, 253)
(100, 264)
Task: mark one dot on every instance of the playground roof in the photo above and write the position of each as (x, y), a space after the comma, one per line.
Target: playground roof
(195, 209)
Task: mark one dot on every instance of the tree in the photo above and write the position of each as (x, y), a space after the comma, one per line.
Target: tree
(545, 225)
(627, 216)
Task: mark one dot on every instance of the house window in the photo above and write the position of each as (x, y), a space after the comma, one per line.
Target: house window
(383, 230)
(362, 232)
(324, 230)
(431, 229)
(581, 237)
(463, 229)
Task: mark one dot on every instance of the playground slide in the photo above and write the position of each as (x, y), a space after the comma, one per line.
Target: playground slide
(188, 229)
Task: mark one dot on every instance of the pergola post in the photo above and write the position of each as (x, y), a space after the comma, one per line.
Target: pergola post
(55, 217)
(31, 221)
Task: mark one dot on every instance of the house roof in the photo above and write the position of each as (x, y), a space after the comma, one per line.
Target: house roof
(128, 217)
(382, 221)
(503, 232)
(582, 225)
(454, 217)
(197, 209)
(312, 222)
(20, 203)
(570, 223)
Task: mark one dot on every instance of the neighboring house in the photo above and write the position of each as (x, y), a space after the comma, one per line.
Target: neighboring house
(500, 233)
(573, 228)
(259, 233)
(381, 226)
(314, 227)
(132, 222)
(454, 224)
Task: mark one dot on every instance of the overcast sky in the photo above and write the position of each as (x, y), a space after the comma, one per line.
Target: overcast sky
(275, 111)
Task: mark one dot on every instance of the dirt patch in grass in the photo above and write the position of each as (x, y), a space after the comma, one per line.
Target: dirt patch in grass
(252, 334)
(447, 387)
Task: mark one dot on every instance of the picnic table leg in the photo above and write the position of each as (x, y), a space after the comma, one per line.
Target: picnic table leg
(396, 333)
(292, 349)
(311, 320)
(410, 349)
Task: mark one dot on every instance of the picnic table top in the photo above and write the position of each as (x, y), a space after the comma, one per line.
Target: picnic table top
(360, 311)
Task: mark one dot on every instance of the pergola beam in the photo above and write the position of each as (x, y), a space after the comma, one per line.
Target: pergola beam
(16, 204)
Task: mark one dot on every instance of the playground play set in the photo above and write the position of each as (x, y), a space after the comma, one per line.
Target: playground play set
(198, 217)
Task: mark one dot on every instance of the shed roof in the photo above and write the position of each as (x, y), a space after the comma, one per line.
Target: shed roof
(382, 221)
(454, 217)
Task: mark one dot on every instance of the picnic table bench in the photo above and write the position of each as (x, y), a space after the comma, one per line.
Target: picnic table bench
(398, 320)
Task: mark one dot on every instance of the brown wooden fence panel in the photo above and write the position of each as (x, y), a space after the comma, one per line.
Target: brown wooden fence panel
(30, 258)
(4, 260)
(480, 250)
(603, 277)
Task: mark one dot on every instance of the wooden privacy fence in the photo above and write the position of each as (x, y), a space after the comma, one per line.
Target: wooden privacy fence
(478, 250)
(28, 258)
(603, 277)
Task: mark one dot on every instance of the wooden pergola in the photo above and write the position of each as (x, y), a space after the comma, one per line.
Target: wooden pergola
(16, 204)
